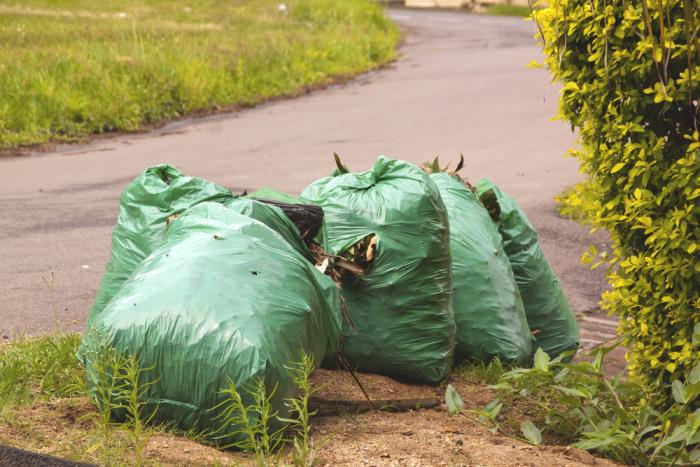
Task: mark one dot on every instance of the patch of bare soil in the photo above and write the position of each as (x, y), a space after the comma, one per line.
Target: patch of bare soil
(340, 385)
(428, 437)
(425, 437)
(169, 450)
(66, 428)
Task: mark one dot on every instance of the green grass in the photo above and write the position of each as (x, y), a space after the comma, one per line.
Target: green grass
(502, 9)
(476, 372)
(72, 68)
(40, 368)
(43, 392)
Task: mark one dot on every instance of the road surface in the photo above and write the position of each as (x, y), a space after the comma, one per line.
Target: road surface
(460, 85)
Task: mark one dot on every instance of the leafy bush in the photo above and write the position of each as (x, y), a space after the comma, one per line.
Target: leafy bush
(631, 83)
(578, 403)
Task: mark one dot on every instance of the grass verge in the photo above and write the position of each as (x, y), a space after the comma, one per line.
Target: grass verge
(503, 9)
(42, 368)
(73, 68)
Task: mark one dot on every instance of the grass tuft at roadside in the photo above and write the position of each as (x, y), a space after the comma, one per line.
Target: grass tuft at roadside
(40, 368)
(504, 9)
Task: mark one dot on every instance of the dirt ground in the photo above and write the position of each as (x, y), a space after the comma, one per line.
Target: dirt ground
(424, 437)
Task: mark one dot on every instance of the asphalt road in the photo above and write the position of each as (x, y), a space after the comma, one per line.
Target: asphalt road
(461, 85)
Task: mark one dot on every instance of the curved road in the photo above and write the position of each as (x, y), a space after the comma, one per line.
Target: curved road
(460, 85)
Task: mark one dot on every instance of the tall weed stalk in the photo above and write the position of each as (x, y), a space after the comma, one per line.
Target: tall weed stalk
(255, 427)
(300, 372)
(249, 426)
(120, 386)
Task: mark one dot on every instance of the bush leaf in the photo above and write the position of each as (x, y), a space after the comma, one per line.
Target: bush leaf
(541, 360)
(694, 375)
(454, 402)
(531, 433)
(678, 391)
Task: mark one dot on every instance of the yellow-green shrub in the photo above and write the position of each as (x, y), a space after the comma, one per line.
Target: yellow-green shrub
(630, 71)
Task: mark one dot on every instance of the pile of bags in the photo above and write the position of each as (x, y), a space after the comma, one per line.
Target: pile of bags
(408, 272)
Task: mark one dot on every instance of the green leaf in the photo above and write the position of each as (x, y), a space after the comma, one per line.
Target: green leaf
(649, 429)
(493, 408)
(531, 433)
(541, 360)
(692, 391)
(694, 375)
(502, 386)
(573, 392)
(561, 376)
(454, 402)
(435, 166)
(598, 360)
(678, 391)
(695, 456)
(679, 434)
(595, 442)
(617, 167)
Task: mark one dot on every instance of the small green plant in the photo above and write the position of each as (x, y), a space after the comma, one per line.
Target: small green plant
(250, 422)
(486, 416)
(132, 399)
(578, 403)
(119, 386)
(250, 426)
(300, 372)
(107, 364)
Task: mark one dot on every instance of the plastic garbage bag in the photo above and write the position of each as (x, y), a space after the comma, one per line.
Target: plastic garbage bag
(145, 206)
(548, 313)
(401, 306)
(488, 309)
(222, 296)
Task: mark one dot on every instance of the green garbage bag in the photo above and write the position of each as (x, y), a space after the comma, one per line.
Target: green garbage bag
(548, 313)
(271, 216)
(307, 217)
(144, 208)
(401, 306)
(271, 193)
(488, 310)
(222, 296)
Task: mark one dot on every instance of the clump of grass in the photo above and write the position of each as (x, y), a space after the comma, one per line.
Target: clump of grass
(40, 368)
(72, 68)
(478, 372)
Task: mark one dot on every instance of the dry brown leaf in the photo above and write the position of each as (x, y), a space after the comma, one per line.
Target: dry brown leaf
(371, 248)
(324, 265)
